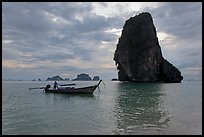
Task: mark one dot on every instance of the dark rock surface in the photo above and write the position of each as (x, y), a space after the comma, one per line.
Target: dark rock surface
(96, 78)
(138, 55)
(82, 77)
(169, 73)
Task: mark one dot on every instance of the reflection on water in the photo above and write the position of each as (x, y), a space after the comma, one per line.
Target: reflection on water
(68, 95)
(139, 106)
(55, 98)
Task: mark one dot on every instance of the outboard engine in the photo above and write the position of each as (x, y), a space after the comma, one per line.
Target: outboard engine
(47, 87)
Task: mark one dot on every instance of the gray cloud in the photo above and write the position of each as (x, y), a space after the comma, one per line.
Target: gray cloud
(33, 32)
(182, 19)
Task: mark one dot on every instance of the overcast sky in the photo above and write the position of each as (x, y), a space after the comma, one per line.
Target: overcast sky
(45, 39)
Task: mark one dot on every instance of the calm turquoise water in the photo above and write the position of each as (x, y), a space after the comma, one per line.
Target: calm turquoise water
(117, 108)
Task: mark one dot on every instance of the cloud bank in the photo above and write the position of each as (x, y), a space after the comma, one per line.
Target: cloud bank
(44, 39)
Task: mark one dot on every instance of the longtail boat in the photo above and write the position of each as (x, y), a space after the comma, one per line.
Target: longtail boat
(88, 89)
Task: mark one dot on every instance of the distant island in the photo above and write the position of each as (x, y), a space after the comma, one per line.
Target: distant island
(96, 78)
(114, 79)
(66, 79)
(80, 77)
(57, 78)
(35, 80)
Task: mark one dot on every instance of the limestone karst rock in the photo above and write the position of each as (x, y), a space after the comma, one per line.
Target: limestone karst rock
(138, 55)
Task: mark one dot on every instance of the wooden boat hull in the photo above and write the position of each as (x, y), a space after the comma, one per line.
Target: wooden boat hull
(89, 90)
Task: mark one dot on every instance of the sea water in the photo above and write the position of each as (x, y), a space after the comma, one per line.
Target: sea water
(116, 108)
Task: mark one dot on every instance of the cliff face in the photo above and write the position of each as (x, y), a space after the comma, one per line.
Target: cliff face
(138, 54)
